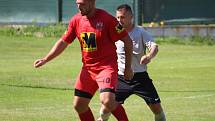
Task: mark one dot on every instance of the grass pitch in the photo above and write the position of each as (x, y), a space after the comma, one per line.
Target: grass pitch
(183, 75)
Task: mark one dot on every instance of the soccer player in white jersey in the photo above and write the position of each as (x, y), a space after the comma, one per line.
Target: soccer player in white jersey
(141, 84)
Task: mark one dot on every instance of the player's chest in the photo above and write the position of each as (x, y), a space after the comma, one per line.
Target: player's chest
(91, 26)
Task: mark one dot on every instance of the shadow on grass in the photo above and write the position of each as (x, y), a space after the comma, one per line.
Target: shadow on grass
(35, 87)
(61, 88)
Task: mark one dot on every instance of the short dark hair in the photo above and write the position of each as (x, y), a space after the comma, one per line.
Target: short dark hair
(124, 6)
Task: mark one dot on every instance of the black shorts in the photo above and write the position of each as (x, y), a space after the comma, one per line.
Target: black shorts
(140, 85)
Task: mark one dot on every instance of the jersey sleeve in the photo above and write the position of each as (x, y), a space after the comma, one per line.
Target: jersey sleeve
(117, 32)
(70, 34)
(147, 39)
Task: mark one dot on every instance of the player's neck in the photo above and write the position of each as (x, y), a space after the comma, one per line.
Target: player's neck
(92, 13)
(130, 27)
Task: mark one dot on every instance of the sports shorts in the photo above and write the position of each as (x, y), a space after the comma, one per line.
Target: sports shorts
(91, 79)
(141, 85)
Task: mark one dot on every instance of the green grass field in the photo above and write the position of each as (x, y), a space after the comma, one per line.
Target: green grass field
(183, 74)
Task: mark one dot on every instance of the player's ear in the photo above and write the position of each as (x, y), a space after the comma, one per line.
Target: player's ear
(132, 19)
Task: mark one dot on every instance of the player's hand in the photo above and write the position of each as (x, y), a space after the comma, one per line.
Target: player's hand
(39, 62)
(128, 74)
(145, 59)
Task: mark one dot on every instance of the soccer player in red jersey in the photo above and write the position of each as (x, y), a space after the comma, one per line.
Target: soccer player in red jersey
(97, 32)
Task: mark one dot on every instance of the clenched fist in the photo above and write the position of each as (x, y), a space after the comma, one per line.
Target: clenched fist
(39, 62)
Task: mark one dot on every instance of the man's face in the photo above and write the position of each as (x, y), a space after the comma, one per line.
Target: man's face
(85, 6)
(124, 17)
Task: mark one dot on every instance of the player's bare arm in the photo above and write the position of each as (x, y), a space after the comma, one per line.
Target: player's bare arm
(56, 50)
(151, 54)
(128, 55)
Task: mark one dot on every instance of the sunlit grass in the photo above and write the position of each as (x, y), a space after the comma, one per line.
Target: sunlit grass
(183, 74)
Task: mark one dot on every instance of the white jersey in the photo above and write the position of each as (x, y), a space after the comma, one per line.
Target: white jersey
(141, 40)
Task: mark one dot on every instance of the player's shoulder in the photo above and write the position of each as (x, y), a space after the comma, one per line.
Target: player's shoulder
(75, 18)
(141, 29)
(103, 13)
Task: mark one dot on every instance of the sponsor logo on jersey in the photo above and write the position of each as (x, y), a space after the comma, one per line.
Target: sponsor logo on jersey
(119, 28)
(99, 26)
(88, 41)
